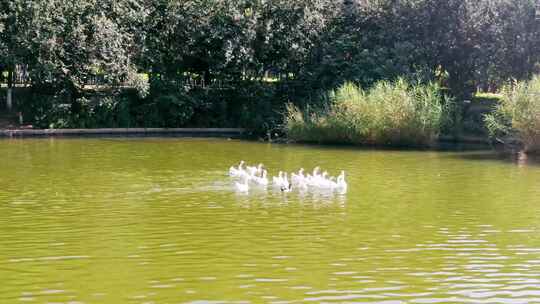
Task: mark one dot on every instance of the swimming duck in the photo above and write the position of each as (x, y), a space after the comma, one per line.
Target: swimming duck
(237, 171)
(263, 180)
(242, 187)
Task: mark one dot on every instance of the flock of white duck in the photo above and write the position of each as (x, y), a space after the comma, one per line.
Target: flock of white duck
(258, 176)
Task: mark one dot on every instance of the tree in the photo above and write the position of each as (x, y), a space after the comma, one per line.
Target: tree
(15, 19)
(69, 42)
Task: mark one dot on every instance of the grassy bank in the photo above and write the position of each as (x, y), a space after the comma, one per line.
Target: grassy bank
(517, 116)
(390, 113)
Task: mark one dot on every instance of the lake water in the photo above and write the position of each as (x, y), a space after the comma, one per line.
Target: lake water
(158, 221)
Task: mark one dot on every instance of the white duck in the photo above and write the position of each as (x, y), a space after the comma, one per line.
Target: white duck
(253, 171)
(286, 189)
(285, 182)
(298, 178)
(326, 183)
(263, 180)
(331, 183)
(281, 181)
(302, 185)
(277, 180)
(313, 180)
(242, 187)
(341, 184)
(323, 181)
(235, 172)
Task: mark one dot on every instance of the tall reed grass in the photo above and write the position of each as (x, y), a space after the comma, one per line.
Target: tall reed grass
(390, 113)
(517, 116)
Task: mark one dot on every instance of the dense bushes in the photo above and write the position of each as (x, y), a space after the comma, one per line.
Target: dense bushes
(323, 42)
(517, 116)
(87, 111)
(393, 113)
(254, 105)
(224, 63)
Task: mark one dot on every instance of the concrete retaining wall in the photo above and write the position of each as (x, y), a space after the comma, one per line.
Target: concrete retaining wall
(210, 132)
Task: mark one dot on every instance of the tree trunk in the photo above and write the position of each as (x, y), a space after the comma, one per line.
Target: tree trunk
(207, 78)
(9, 99)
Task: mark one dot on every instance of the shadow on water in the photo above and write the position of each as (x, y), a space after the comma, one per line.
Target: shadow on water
(470, 151)
(440, 147)
(518, 158)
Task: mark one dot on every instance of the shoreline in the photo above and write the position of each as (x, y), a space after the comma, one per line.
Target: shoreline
(188, 132)
(466, 142)
(201, 132)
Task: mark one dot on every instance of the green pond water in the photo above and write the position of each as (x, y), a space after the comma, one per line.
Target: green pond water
(147, 220)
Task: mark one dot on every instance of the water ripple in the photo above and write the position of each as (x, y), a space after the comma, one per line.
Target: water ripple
(157, 221)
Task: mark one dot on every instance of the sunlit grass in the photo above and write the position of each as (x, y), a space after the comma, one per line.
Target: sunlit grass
(390, 113)
(518, 114)
(487, 95)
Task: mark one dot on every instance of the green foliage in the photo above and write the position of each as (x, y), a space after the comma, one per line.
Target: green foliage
(390, 113)
(518, 115)
(307, 47)
(168, 105)
(257, 106)
(64, 43)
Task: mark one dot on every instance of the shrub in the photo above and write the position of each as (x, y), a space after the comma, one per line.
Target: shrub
(390, 113)
(517, 115)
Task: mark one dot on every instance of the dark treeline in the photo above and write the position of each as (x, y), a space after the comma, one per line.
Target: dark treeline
(248, 58)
